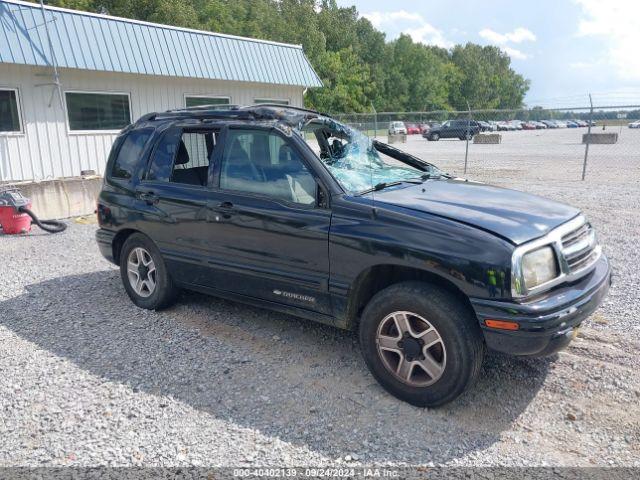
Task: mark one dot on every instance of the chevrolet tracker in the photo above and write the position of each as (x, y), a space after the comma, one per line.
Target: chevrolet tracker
(288, 209)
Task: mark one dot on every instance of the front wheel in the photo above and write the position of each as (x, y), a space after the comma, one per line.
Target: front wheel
(434, 137)
(421, 344)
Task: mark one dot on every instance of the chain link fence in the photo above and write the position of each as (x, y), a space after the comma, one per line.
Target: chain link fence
(527, 144)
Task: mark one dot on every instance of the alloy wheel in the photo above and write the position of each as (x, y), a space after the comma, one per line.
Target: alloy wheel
(141, 271)
(411, 349)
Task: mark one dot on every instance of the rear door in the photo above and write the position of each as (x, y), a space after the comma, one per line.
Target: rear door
(175, 194)
(272, 233)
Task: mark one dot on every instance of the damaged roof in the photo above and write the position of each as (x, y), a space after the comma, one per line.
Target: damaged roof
(287, 116)
(91, 41)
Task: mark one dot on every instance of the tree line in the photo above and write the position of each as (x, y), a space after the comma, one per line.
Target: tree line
(361, 70)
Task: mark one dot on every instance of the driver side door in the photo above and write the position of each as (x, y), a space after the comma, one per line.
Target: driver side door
(271, 234)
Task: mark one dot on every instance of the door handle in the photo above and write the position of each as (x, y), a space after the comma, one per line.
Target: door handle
(149, 197)
(227, 209)
(219, 209)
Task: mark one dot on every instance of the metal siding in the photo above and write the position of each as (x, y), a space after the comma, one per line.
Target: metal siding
(92, 42)
(12, 52)
(33, 51)
(198, 59)
(108, 34)
(163, 61)
(73, 42)
(47, 150)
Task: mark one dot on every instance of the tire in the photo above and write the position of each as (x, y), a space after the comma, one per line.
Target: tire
(458, 355)
(164, 293)
(434, 137)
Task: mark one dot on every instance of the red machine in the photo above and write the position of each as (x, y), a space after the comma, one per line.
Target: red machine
(16, 215)
(12, 218)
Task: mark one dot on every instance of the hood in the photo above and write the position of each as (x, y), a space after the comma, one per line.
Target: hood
(516, 216)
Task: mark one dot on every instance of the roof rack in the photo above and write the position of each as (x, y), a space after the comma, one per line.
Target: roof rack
(286, 107)
(220, 111)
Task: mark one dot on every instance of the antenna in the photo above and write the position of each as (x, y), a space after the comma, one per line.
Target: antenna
(54, 63)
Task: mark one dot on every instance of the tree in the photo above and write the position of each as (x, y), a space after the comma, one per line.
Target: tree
(417, 77)
(487, 79)
(346, 84)
(358, 66)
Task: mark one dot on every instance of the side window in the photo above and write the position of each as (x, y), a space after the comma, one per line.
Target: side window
(129, 153)
(183, 157)
(265, 163)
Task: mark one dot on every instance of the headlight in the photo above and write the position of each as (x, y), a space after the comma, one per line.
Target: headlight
(538, 267)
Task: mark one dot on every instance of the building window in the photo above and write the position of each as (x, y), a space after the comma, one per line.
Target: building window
(273, 101)
(197, 101)
(9, 111)
(97, 111)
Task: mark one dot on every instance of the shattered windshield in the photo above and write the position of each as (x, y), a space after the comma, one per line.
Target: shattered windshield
(358, 163)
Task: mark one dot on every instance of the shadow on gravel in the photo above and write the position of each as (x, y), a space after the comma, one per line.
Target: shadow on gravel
(288, 378)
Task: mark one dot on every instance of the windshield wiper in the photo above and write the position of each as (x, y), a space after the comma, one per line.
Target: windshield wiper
(382, 185)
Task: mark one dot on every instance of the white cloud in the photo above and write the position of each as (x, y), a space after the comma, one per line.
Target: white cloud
(428, 35)
(503, 40)
(519, 35)
(410, 23)
(378, 18)
(616, 23)
(514, 53)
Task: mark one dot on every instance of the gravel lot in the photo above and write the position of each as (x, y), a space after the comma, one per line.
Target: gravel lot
(86, 378)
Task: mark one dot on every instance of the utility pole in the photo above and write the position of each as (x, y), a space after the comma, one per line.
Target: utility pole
(466, 152)
(375, 120)
(586, 149)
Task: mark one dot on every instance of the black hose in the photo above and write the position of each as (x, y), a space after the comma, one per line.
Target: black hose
(53, 225)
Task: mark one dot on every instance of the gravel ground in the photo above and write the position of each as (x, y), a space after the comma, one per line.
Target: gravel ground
(87, 378)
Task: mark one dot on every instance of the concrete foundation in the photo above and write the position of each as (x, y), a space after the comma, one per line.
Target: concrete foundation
(600, 138)
(67, 197)
(491, 138)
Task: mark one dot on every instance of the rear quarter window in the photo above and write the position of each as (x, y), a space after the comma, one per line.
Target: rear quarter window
(130, 154)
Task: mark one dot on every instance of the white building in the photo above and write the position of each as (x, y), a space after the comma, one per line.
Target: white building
(110, 72)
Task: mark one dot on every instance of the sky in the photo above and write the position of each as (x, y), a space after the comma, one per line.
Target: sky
(567, 48)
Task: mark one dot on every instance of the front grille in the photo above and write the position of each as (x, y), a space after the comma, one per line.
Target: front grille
(579, 247)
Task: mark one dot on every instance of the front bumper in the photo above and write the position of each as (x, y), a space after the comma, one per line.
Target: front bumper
(548, 323)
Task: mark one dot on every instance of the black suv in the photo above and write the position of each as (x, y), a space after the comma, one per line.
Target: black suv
(429, 269)
(462, 129)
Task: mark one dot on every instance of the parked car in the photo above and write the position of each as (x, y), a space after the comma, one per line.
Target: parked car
(424, 128)
(506, 126)
(571, 124)
(429, 126)
(529, 126)
(397, 128)
(461, 129)
(635, 124)
(485, 126)
(539, 125)
(412, 129)
(429, 269)
(581, 123)
(550, 123)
